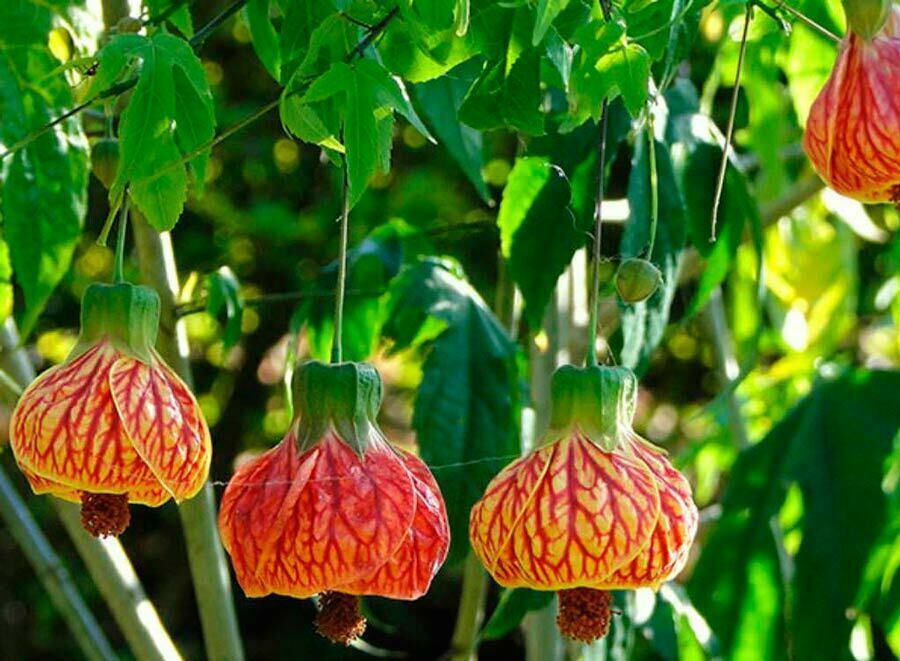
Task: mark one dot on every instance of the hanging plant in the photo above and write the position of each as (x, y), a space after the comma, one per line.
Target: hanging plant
(334, 509)
(113, 424)
(594, 508)
(853, 132)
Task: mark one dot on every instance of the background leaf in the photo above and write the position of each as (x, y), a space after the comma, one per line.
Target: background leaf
(44, 186)
(223, 293)
(538, 231)
(440, 100)
(739, 583)
(514, 604)
(466, 410)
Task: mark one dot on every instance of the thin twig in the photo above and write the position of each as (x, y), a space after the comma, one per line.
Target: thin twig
(591, 358)
(283, 297)
(654, 184)
(203, 33)
(373, 32)
(165, 13)
(729, 132)
(598, 235)
(119, 270)
(355, 21)
(806, 20)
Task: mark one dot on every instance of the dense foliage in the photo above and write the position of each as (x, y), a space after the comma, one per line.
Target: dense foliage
(470, 134)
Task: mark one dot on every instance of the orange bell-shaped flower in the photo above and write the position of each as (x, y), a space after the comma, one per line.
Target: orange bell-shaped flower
(334, 509)
(853, 132)
(594, 508)
(113, 424)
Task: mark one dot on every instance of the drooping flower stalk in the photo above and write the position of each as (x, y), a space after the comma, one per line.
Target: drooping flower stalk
(594, 508)
(852, 134)
(334, 510)
(209, 568)
(113, 424)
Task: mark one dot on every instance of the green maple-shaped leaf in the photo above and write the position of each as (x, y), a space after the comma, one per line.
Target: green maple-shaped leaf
(170, 114)
(368, 95)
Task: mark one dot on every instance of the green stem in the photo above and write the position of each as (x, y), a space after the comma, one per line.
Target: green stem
(598, 235)
(803, 18)
(340, 291)
(543, 641)
(52, 573)
(470, 615)
(203, 33)
(209, 568)
(163, 16)
(107, 563)
(112, 571)
(726, 365)
(729, 132)
(654, 185)
(119, 270)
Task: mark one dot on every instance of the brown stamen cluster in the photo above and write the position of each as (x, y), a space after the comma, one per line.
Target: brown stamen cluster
(895, 195)
(584, 614)
(105, 514)
(339, 618)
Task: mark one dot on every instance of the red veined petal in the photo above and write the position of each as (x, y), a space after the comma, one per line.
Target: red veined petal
(341, 518)
(164, 422)
(853, 132)
(567, 515)
(256, 502)
(671, 540)
(409, 572)
(66, 430)
(152, 496)
(41, 485)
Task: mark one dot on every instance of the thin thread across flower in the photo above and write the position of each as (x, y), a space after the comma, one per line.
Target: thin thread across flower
(334, 509)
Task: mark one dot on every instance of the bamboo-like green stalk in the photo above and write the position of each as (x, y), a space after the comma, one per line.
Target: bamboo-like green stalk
(470, 615)
(542, 639)
(53, 574)
(464, 645)
(121, 589)
(726, 365)
(106, 560)
(209, 568)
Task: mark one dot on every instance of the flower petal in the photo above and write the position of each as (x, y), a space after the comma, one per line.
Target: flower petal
(257, 500)
(151, 495)
(567, 515)
(41, 485)
(853, 132)
(66, 430)
(164, 422)
(409, 572)
(340, 517)
(671, 540)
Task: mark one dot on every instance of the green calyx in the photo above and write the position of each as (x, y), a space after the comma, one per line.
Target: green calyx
(598, 400)
(345, 396)
(126, 315)
(867, 17)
